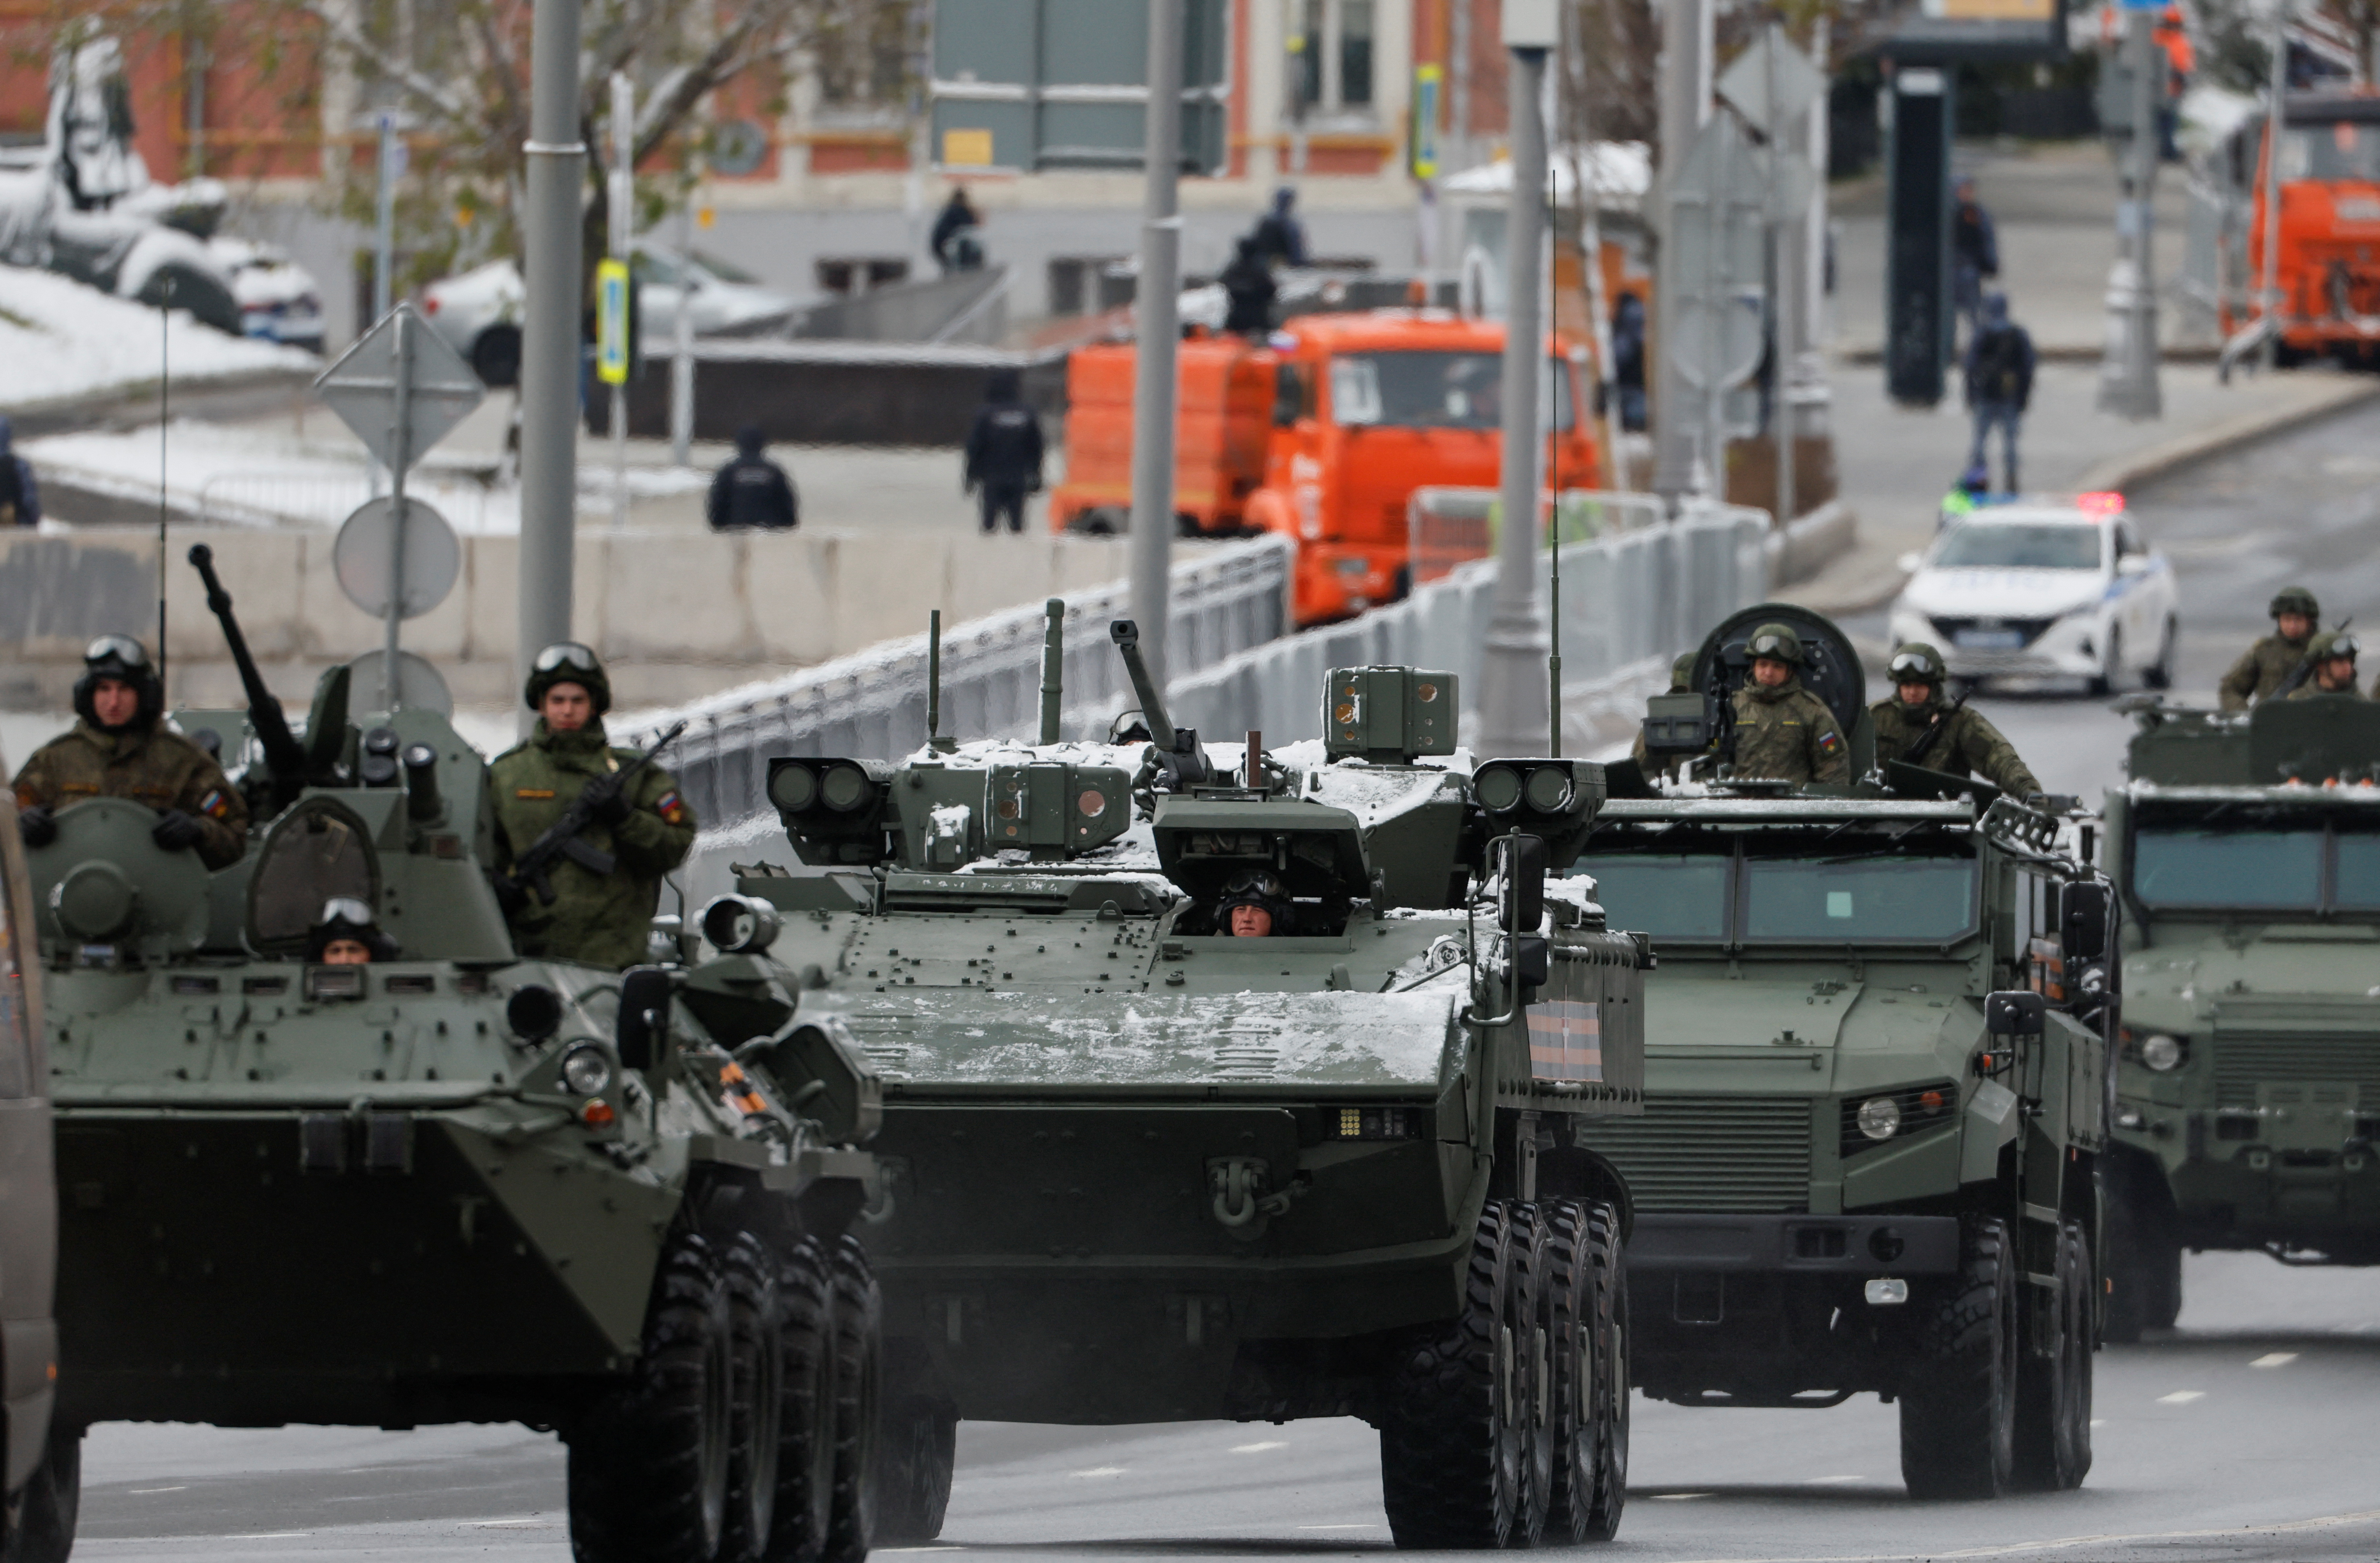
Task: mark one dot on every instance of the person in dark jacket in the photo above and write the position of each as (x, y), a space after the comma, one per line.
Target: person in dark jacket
(752, 491)
(1627, 359)
(20, 496)
(1248, 281)
(1974, 255)
(953, 239)
(1279, 237)
(1004, 453)
(2000, 383)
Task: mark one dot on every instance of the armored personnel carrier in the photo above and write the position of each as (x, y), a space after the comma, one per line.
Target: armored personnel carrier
(449, 1185)
(2248, 1076)
(41, 1477)
(1141, 1170)
(1873, 1093)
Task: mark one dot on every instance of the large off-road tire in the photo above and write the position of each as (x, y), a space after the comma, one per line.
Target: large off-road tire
(1531, 1302)
(649, 1468)
(1590, 1375)
(805, 1503)
(916, 1449)
(1450, 1440)
(858, 1339)
(2053, 1408)
(42, 1528)
(2144, 1267)
(758, 1388)
(1958, 1406)
(1612, 1380)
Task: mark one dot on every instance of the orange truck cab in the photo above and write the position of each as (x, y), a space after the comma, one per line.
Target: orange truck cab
(2329, 253)
(1321, 434)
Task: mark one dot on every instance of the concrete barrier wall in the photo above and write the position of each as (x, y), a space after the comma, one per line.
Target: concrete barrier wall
(680, 614)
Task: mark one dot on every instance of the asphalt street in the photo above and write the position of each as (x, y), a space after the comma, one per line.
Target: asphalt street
(2245, 1434)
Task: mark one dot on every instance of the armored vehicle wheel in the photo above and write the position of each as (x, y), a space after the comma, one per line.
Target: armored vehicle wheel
(757, 1364)
(2144, 1270)
(913, 1478)
(44, 1527)
(649, 1468)
(1533, 1349)
(1454, 1425)
(1611, 1494)
(1957, 1408)
(806, 1422)
(1590, 1394)
(858, 1351)
(2053, 1410)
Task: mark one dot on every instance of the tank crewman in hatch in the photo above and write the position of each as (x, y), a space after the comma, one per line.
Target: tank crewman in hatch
(2265, 666)
(602, 919)
(1782, 731)
(347, 935)
(2332, 653)
(1921, 728)
(1252, 906)
(120, 748)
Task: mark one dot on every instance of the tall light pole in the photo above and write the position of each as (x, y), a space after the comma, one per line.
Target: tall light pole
(2128, 377)
(1686, 49)
(1157, 318)
(550, 351)
(1513, 700)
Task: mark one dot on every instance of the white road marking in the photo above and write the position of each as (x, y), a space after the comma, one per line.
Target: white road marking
(886, 1551)
(1099, 1470)
(2181, 1397)
(2098, 1422)
(1677, 1497)
(2274, 1360)
(1340, 1527)
(1259, 1448)
(2099, 1542)
(142, 1492)
(267, 1536)
(1831, 1481)
(533, 1520)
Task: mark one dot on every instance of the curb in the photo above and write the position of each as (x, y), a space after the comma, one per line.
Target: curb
(2163, 461)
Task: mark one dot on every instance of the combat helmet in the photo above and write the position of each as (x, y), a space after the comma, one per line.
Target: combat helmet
(1255, 888)
(2294, 599)
(2330, 643)
(1681, 673)
(1777, 641)
(568, 662)
(127, 660)
(1917, 663)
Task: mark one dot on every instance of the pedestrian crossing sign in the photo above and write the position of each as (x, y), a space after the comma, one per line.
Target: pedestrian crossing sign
(612, 322)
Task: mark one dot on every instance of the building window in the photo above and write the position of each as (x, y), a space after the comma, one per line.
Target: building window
(862, 49)
(1330, 67)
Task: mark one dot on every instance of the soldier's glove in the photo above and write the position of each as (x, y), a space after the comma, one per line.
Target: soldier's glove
(511, 895)
(175, 830)
(37, 825)
(607, 803)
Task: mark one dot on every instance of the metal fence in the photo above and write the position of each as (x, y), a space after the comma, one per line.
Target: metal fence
(872, 704)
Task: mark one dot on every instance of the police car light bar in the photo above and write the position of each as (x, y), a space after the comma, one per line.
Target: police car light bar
(2105, 502)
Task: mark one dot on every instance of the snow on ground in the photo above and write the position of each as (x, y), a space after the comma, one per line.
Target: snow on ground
(60, 338)
(252, 475)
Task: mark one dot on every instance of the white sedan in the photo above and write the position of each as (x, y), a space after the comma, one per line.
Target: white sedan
(2045, 588)
(479, 310)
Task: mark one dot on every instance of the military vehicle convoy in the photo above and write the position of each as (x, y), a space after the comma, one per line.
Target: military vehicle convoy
(2248, 1080)
(40, 1481)
(1139, 1170)
(453, 1185)
(1873, 1093)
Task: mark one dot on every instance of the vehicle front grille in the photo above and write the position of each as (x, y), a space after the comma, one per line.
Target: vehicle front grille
(2030, 628)
(1715, 1154)
(2242, 1063)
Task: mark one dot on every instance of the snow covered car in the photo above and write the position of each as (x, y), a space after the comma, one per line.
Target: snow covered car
(2045, 588)
(278, 299)
(479, 310)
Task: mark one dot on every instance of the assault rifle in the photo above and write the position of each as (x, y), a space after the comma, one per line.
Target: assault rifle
(534, 868)
(1923, 744)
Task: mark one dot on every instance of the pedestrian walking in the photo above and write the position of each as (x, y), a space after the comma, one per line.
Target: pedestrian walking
(752, 491)
(1974, 255)
(1004, 453)
(1628, 361)
(1247, 283)
(1999, 384)
(1279, 237)
(20, 496)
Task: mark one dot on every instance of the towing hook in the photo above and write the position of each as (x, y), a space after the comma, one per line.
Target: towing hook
(1240, 1204)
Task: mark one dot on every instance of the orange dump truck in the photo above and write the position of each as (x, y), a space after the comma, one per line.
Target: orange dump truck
(2329, 272)
(1322, 435)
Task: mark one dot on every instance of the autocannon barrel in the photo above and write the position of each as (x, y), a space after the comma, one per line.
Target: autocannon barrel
(1126, 636)
(287, 761)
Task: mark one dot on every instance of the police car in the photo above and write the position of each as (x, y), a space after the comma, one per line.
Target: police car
(2033, 587)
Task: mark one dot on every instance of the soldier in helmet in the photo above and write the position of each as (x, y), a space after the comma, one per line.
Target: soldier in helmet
(645, 827)
(1782, 731)
(2332, 654)
(347, 935)
(1682, 682)
(1918, 726)
(1253, 906)
(2260, 671)
(120, 748)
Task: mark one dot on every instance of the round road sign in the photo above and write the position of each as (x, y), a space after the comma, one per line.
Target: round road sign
(433, 559)
(418, 684)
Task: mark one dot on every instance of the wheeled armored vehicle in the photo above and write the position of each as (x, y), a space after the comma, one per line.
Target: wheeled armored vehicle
(1141, 1170)
(451, 1185)
(2248, 1076)
(1875, 1092)
(38, 1474)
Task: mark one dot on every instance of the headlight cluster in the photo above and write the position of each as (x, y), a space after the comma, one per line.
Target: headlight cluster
(1869, 1121)
(1879, 1118)
(586, 1070)
(2160, 1052)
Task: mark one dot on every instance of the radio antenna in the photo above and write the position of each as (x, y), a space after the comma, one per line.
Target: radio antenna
(1553, 643)
(934, 680)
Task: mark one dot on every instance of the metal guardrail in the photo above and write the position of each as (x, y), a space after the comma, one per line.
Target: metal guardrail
(872, 704)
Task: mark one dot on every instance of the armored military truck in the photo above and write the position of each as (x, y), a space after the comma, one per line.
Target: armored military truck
(1874, 1097)
(449, 1185)
(40, 1474)
(1141, 1170)
(2248, 1074)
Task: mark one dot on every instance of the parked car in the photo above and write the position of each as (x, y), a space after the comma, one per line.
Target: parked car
(278, 299)
(479, 310)
(2045, 587)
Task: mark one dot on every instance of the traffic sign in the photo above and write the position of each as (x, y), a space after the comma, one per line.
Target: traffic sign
(1719, 342)
(612, 322)
(1772, 84)
(365, 553)
(418, 684)
(440, 390)
(1427, 79)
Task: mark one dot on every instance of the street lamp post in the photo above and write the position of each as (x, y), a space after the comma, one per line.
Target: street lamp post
(550, 351)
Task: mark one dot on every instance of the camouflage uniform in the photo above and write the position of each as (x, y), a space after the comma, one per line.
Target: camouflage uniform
(1681, 681)
(2262, 670)
(1970, 746)
(2319, 652)
(601, 919)
(152, 764)
(1787, 734)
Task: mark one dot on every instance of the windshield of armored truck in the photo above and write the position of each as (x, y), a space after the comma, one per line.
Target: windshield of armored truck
(1795, 889)
(1668, 894)
(2257, 867)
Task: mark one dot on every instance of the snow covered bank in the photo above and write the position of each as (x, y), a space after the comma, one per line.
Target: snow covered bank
(60, 339)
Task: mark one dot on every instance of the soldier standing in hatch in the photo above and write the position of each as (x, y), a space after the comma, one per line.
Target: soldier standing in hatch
(645, 826)
(1782, 731)
(120, 748)
(1962, 742)
(2267, 665)
(2332, 653)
